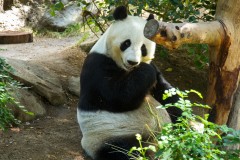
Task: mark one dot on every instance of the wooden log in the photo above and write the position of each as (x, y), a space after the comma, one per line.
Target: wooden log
(7, 4)
(12, 37)
(173, 35)
(1, 6)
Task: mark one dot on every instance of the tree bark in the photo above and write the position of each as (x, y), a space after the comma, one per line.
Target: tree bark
(223, 38)
(11, 37)
(173, 35)
(228, 12)
(235, 112)
(228, 75)
(7, 4)
(1, 6)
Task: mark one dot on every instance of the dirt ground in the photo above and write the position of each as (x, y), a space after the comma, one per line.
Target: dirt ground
(56, 136)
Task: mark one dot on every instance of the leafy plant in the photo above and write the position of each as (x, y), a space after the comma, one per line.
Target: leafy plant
(71, 30)
(58, 6)
(98, 13)
(192, 137)
(7, 118)
(199, 52)
(141, 151)
(3, 49)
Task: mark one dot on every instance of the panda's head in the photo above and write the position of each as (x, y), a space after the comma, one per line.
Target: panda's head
(124, 41)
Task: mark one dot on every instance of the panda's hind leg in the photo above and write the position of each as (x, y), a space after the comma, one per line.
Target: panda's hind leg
(117, 148)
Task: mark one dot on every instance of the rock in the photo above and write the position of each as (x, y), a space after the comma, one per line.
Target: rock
(31, 103)
(15, 18)
(36, 14)
(22, 14)
(88, 44)
(45, 83)
(71, 14)
(74, 85)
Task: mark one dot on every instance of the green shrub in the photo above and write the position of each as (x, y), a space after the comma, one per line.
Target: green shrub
(7, 118)
(71, 30)
(192, 137)
(199, 52)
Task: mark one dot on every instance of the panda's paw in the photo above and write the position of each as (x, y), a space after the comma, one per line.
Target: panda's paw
(147, 71)
(147, 68)
(173, 99)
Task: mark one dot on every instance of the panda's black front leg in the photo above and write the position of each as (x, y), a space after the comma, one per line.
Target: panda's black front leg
(158, 91)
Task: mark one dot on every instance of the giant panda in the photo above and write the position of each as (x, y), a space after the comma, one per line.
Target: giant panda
(120, 89)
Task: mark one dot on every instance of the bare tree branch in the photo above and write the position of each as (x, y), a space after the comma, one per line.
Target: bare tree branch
(173, 35)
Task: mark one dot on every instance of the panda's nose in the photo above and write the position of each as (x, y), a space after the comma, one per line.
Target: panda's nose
(133, 63)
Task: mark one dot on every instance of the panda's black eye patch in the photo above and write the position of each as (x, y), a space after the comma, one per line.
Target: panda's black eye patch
(144, 50)
(125, 45)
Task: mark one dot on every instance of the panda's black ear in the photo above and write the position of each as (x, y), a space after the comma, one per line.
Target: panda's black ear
(151, 16)
(120, 13)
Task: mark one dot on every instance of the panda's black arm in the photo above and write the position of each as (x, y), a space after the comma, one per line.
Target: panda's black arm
(121, 90)
(127, 91)
(158, 91)
(105, 86)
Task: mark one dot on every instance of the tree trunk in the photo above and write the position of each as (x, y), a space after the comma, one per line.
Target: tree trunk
(7, 4)
(228, 75)
(1, 6)
(223, 38)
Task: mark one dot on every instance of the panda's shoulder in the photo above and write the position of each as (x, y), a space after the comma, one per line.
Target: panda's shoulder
(94, 59)
(96, 62)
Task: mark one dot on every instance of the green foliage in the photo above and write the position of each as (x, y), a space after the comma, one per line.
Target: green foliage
(192, 137)
(199, 52)
(71, 30)
(184, 10)
(140, 150)
(7, 118)
(58, 6)
(172, 10)
(166, 10)
(96, 14)
(2, 49)
(232, 137)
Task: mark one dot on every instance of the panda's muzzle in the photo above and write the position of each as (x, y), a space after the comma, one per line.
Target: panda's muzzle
(132, 63)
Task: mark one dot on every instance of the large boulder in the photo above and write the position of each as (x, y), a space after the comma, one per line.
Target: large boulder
(71, 14)
(41, 80)
(15, 18)
(22, 13)
(31, 103)
(74, 85)
(88, 44)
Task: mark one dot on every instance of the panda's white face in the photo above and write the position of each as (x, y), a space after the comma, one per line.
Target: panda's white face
(125, 43)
